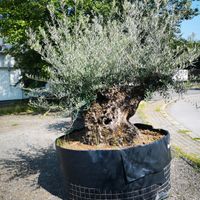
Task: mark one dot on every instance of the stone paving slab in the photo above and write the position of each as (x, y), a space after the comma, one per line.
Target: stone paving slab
(156, 114)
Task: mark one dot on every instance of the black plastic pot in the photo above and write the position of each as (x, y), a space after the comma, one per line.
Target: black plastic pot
(134, 173)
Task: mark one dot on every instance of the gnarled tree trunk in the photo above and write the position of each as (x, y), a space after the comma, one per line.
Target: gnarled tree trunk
(107, 120)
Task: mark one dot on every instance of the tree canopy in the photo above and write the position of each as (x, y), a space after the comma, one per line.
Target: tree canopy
(95, 56)
(17, 16)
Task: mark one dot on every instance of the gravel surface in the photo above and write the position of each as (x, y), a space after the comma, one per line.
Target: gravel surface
(29, 169)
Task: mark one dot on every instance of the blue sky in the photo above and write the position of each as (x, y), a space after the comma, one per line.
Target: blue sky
(192, 26)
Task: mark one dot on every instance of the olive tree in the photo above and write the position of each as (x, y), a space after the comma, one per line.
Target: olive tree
(16, 16)
(103, 71)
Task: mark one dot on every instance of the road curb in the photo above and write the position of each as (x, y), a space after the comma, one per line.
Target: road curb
(161, 119)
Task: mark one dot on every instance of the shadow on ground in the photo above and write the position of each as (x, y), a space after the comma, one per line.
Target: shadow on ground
(41, 161)
(59, 126)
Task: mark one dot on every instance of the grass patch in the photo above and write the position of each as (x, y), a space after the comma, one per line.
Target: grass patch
(195, 85)
(15, 124)
(196, 139)
(141, 112)
(22, 107)
(193, 159)
(184, 131)
(15, 108)
(158, 109)
(192, 85)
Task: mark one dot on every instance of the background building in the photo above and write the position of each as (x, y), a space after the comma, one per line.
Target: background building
(9, 77)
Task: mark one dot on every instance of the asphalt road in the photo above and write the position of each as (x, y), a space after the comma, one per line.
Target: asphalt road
(186, 110)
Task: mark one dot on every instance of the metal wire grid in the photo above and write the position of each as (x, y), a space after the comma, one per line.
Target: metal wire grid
(77, 192)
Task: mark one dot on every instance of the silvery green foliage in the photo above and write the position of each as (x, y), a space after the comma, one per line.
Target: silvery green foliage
(137, 50)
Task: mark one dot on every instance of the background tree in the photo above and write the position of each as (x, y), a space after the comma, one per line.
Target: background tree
(194, 70)
(19, 15)
(105, 70)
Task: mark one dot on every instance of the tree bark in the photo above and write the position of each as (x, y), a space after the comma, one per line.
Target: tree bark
(107, 120)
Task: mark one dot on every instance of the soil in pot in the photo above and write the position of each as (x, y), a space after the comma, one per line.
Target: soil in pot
(76, 141)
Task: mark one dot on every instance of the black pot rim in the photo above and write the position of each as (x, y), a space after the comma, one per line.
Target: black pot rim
(139, 125)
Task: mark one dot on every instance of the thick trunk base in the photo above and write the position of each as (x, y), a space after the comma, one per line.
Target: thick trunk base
(107, 120)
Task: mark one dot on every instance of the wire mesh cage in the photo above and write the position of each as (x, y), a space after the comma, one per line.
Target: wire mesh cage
(153, 192)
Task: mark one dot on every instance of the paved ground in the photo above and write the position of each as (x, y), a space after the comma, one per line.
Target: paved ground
(28, 162)
(156, 113)
(187, 112)
(29, 169)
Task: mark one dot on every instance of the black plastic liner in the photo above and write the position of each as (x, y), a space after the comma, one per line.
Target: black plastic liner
(138, 173)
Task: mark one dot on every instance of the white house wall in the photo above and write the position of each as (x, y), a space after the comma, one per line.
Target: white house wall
(2, 61)
(8, 76)
(8, 90)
